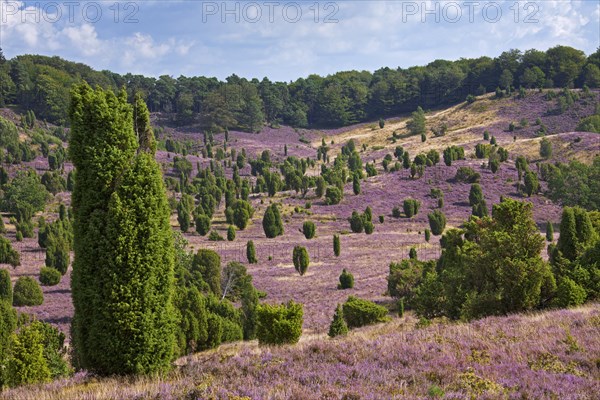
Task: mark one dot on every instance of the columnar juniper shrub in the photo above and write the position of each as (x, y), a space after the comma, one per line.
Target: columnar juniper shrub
(271, 222)
(6, 290)
(411, 207)
(549, 231)
(308, 229)
(346, 280)
(356, 222)
(230, 233)
(251, 252)
(336, 245)
(202, 224)
(301, 259)
(338, 325)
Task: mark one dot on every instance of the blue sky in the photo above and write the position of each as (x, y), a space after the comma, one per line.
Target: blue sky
(286, 40)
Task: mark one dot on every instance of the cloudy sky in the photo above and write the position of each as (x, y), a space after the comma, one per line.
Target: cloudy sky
(285, 40)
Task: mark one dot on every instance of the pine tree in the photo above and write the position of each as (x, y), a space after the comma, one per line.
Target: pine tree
(122, 278)
(338, 325)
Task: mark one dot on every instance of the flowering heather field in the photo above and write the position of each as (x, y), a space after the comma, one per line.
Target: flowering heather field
(550, 355)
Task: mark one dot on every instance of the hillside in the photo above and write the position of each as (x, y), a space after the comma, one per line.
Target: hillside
(545, 355)
(367, 256)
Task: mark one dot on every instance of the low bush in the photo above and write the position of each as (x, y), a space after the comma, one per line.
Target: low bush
(27, 292)
(279, 324)
(50, 276)
(360, 312)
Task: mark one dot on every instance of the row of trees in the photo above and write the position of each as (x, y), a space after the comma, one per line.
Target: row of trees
(42, 84)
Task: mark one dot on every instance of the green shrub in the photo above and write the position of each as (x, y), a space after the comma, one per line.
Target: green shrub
(251, 252)
(333, 195)
(356, 222)
(271, 222)
(6, 291)
(569, 293)
(50, 276)
(9, 255)
(338, 325)
(437, 222)
(336, 245)
(214, 236)
(412, 253)
(360, 312)
(301, 259)
(467, 175)
(411, 207)
(369, 227)
(396, 212)
(381, 219)
(346, 280)
(549, 231)
(202, 224)
(231, 233)
(308, 228)
(27, 292)
(58, 254)
(279, 324)
(427, 235)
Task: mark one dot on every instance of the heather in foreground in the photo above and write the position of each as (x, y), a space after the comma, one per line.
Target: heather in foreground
(550, 355)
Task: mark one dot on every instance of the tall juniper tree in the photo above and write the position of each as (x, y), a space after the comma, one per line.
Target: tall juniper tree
(122, 278)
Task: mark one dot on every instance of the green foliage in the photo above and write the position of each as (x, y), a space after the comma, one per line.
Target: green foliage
(202, 224)
(9, 255)
(50, 276)
(453, 153)
(411, 207)
(437, 222)
(239, 213)
(272, 224)
(483, 150)
(183, 216)
(416, 125)
(27, 292)
(214, 236)
(301, 259)
(532, 185)
(475, 194)
(8, 324)
(251, 252)
(58, 254)
(467, 175)
(412, 253)
(338, 326)
(207, 263)
(369, 227)
(567, 241)
(569, 293)
(346, 280)
(545, 148)
(230, 233)
(122, 279)
(359, 312)
(279, 324)
(575, 184)
(6, 290)
(308, 229)
(549, 231)
(356, 222)
(333, 195)
(589, 124)
(336, 245)
(356, 184)
(26, 362)
(25, 194)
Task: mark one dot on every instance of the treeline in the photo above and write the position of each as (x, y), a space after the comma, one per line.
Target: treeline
(42, 84)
